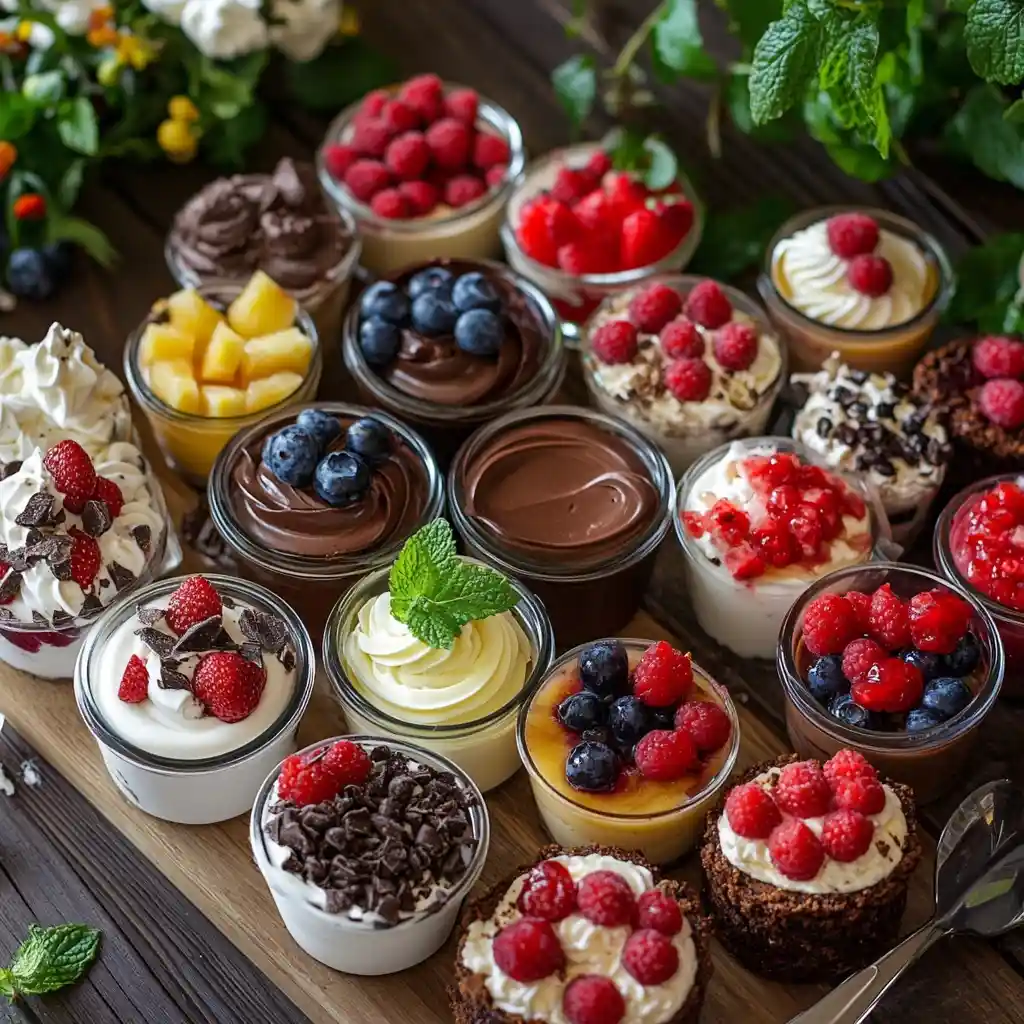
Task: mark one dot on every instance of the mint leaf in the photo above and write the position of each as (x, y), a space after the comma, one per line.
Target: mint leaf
(435, 627)
(78, 127)
(1014, 113)
(6, 983)
(980, 132)
(737, 99)
(418, 570)
(575, 84)
(735, 241)
(662, 168)
(678, 42)
(749, 19)
(83, 234)
(785, 60)
(50, 959)
(472, 592)
(987, 283)
(995, 40)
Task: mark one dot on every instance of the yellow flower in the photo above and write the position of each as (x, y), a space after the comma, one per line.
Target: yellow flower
(181, 108)
(24, 31)
(177, 140)
(135, 51)
(109, 71)
(349, 25)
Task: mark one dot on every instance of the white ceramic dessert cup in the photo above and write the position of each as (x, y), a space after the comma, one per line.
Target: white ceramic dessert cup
(932, 761)
(663, 837)
(684, 446)
(484, 749)
(575, 296)
(354, 946)
(208, 790)
(470, 232)
(745, 616)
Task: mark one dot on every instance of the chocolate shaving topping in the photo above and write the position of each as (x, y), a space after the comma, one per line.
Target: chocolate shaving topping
(60, 618)
(149, 616)
(96, 518)
(161, 644)
(201, 637)
(252, 652)
(9, 469)
(269, 631)
(143, 536)
(91, 605)
(121, 576)
(39, 618)
(228, 602)
(18, 559)
(171, 678)
(37, 511)
(287, 658)
(5, 614)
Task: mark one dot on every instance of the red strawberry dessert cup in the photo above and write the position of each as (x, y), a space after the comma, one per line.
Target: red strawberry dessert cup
(193, 690)
(894, 662)
(425, 168)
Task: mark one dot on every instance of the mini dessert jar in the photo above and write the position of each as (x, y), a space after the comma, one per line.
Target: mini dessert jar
(929, 761)
(340, 940)
(208, 788)
(661, 819)
(874, 335)
(191, 442)
(312, 582)
(572, 502)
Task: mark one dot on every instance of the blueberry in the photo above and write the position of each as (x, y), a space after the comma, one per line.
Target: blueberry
(433, 279)
(342, 479)
(946, 696)
(825, 679)
(291, 456)
(29, 275)
(474, 291)
(630, 721)
(964, 660)
(663, 718)
(929, 663)
(370, 440)
(385, 301)
(592, 767)
(379, 341)
(480, 333)
(601, 734)
(320, 425)
(920, 719)
(58, 257)
(604, 669)
(847, 710)
(581, 711)
(433, 314)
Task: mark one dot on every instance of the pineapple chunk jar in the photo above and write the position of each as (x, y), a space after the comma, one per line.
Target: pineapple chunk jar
(207, 363)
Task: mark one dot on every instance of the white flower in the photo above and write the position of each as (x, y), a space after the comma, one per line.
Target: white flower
(40, 36)
(302, 28)
(167, 10)
(224, 29)
(73, 15)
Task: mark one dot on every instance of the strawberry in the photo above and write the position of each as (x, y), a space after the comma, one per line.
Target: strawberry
(645, 239)
(110, 494)
(194, 601)
(229, 685)
(85, 557)
(134, 688)
(72, 472)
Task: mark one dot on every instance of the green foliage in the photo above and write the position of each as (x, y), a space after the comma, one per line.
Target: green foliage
(49, 959)
(735, 241)
(988, 295)
(339, 76)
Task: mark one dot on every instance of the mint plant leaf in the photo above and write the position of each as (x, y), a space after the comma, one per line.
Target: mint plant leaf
(7, 983)
(473, 592)
(83, 234)
(994, 35)
(434, 626)
(980, 132)
(735, 241)
(749, 19)
(52, 958)
(662, 168)
(1014, 113)
(785, 60)
(575, 84)
(77, 126)
(987, 282)
(678, 42)
(737, 99)
(418, 570)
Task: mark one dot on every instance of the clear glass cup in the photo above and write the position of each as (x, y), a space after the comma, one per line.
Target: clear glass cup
(360, 947)
(207, 790)
(470, 232)
(597, 599)
(664, 836)
(189, 442)
(895, 349)
(930, 762)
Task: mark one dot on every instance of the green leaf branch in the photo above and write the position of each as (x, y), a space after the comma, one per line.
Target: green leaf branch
(49, 959)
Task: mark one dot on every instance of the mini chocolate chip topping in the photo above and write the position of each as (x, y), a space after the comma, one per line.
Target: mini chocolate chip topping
(96, 518)
(37, 511)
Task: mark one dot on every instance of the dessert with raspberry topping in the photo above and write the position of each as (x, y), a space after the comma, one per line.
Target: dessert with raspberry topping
(864, 283)
(758, 521)
(194, 692)
(628, 742)
(689, 362)
(806, 866)
(425, 168)
(584, 935)
(369, 850)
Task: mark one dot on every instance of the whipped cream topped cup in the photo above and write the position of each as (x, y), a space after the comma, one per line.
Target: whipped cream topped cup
(191, 713)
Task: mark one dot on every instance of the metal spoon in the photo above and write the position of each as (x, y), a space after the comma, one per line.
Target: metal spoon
(979, 888)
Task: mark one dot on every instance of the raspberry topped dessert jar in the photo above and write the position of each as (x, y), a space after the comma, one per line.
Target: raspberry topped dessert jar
(864, 283)
(584, 935)
(425, 168)
(807, 865)
(759, 521)
(628, 743)
(892, 661)
(688, 362)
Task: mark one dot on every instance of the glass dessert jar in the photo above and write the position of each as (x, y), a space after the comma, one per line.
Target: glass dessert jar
(929, 760)
(806, 288)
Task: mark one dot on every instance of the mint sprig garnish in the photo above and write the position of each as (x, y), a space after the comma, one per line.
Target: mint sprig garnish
(49, 959)
(435, 593)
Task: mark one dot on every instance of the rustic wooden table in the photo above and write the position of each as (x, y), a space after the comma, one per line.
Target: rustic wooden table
(189, 931)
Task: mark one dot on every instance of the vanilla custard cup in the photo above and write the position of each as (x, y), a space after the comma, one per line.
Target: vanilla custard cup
(573, 818)
(204, 790)
(485, 749)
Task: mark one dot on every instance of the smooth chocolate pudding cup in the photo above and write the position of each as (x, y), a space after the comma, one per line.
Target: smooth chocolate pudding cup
(278, 537)
(571, 501)
(930, 761)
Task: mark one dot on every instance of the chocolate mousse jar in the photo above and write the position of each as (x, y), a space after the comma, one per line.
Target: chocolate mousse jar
(928, 753)
(572, 502)
(290, 539)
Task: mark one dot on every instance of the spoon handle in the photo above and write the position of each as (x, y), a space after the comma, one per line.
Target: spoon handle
(855, 998)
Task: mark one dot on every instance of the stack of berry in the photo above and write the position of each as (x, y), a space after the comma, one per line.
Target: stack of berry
(1000, 361)
(853, 237)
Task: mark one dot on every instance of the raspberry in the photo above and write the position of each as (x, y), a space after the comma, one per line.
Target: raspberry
(581, 258)
(134, 688)
(462, 104)
(548, 892)
(893, 685)
(862, 793)
(846, 835)
(594, 212)
(72, 471)
(449, 141)
(887, 619)
(305, 780)
(795, 850)
(650, 957)
(751, 812)
(495, 175)
(420, 196)
(802, 790)
(677, 217)
(847, 764)
(708, 305)
(776, 543)
(998, 357)
(599, 164)
(193, 602)
(371, 137)
(533, 234)
(593, 999)
(605, 898)
(663, 675)
(365, 178)
(689, 380)
(424, 95)
(644, 239)
(338, 159)
(398, 116)
(829, 624)
(852, 234)
(407, 156)
(745, 562)
(463, 189)
(1002, 402)
(490, 151)
(374, 102)
(110, 494)
(729, 524)
(938, 620)
(870, 275)
(665, 754)
(657, 910)
(390, 203)
(680, 339)
(572, 184)
(736, 345)
(707, 724)
(859, 656)
(766, 472)
(563, 226)
(654, 307)
(807, 531)
(229, 685)
(347, 763)
(861, 604)
(614, 342)
(85, 557)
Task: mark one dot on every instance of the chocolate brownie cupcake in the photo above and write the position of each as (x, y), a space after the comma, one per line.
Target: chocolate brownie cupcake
(582, 929)
(806, 866)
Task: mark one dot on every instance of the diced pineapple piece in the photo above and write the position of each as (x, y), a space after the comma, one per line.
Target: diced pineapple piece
(163, 343)
(276, 353)
(191, 314)
(223, 355)
(172, 382)
(217, 400)
(262, 308)
(268, 391)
